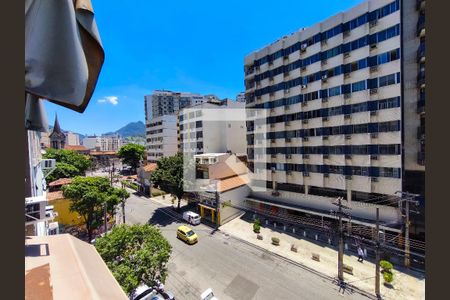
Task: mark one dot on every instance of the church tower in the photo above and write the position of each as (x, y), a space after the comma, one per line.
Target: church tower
(57, 137)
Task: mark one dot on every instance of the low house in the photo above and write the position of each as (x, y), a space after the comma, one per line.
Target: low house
(77, 148)
(104, 158)
(226, 174)
(61, 205)
(144, 178)
(64, 267)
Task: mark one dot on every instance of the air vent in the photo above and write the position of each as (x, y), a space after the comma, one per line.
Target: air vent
(323, 43)
(273, 156)
(286, 74)
(373, 46)
(286, 91)
(272, 125)
(287, 123)
(346, 33)
(276, 193)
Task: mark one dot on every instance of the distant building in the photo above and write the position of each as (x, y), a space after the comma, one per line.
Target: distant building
(240, 97)
(44, 139)
(161, 137)
(103, 143)
(143, 175)
(72, 139)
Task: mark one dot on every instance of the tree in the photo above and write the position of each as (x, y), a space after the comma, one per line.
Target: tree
(169, 175)
(68, 163)
(131, 154)
(135, 254)
(89, 196)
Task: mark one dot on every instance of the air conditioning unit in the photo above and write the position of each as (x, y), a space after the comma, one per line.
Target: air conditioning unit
(323, 43)
(288, 140)
(346, 54)
(348, 137)
(272, 141)
(273, 156)
(346, 33)
(271, 94)
(48, 164)
(373, 69)
(271, 79)
(272, 125)
(287, 123)
(304, 86)
(288, 156)
(347, 75)
(306, 174)
(373, 46)
(326, 156)
(325, 137)
(326, 175)
(287, 107)
(275, 193)
(288, 172)
(347, 116)
(374, 179)
(305, 121)
(373, 91)
(302, 69)
(273, 170)
(324, 99)
(373, 23)
(374, 135)
(374, 157)
(286, 57)
(373, 113)
(347, 96)
(305, 138)
(258, 98)
(286, 74)
(348, 177)
(324, 62)
(304, 103)
(286, 91)
(324, 78)
(305, 156)
(348, 156)
(303, 47)
(270, 63)
(325, 119)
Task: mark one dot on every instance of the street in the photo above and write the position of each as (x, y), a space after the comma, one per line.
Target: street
(233, 269)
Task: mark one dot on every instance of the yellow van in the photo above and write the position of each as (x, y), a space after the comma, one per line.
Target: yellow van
(186, 234)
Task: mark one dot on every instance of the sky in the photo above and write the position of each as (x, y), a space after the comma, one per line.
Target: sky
(190, 46)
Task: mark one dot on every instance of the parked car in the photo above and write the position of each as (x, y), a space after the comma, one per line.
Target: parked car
(143, 292)
(187, 234)
(208, 295)
(191, 217)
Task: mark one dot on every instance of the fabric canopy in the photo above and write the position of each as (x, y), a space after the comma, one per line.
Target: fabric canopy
(63, 56)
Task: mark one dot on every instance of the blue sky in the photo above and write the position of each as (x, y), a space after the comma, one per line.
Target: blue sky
(192, 46)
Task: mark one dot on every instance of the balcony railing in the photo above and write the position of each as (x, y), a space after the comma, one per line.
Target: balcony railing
(421, 52)
(421, 104)
(421, 132)
(421, 24)
(421, 78)
(421, 158)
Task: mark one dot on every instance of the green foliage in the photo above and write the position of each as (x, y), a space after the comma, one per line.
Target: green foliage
(257, 226)
(386, 266)
(131, 154)
(89, 195)
(130, 185)
(388, 276)
(135, 254)
(68, 163)
(169, 175)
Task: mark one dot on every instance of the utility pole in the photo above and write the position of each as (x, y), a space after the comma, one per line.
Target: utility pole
(407, 198)
(112, 173)
(340, 213)
(123, 207)
(377, 256)
(106, 221)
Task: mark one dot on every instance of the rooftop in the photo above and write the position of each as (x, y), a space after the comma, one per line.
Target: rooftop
(61, 181)
(75, 147)
(51, 196)
(64, 267)
(150, 167)
(233, 182)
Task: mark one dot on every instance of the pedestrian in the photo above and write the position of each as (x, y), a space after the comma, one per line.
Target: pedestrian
(360, 254)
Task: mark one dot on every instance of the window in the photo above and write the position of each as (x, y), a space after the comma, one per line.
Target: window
(389, 149)
(198, 124)
(334, 91)
(389, 126)
(360, 171)
(389, 103)
(386, 80)
(359, 107)
(361, 128)
(336, 169)
(359, 86)
(390, 172)
(333, 111)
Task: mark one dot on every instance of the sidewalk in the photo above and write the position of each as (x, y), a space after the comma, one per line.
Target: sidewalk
(405, 286)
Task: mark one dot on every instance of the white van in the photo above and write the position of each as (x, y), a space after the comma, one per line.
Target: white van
(191, 217)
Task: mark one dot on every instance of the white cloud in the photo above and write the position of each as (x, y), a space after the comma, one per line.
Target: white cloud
(114, 100)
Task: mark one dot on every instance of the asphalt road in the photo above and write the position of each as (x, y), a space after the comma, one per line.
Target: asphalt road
(233, 269)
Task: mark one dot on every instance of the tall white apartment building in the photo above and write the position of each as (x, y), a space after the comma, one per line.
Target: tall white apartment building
(163, 102)
(217, 126)
(72, 139)
(103, 143)
(341, 98)
(240, 97)
(162, 139)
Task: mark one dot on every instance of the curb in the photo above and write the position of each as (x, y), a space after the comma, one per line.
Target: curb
(322, 275)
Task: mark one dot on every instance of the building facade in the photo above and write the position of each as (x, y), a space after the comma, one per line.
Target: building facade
(162, 140)
(339, 109)
(73, 139)
(213, 127)
(103, 143)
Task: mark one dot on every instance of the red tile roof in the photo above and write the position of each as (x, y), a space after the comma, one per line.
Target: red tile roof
(232, 182)
(76, 148)
(61, 181)
(150, 167)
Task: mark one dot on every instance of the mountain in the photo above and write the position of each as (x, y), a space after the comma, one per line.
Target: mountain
(131, 129)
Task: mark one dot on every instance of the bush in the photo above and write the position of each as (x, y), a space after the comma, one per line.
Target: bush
(386, 266)
(275, 241)
(388, 277)
(256, 228)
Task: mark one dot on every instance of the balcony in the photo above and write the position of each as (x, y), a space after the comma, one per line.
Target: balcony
(249, 70)
(421, 158)
(421, 79)
(421, 26)
(421, 132)
(421, 104)
(421, 53)
(420, 5)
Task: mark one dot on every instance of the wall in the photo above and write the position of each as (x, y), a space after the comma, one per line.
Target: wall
(236, 196)
(65, 216)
